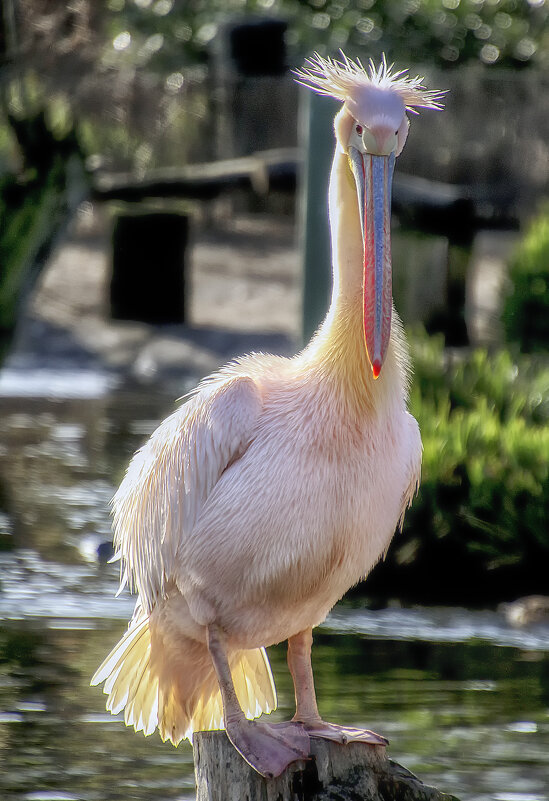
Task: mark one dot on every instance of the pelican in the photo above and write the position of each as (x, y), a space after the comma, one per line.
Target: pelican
(278, 483)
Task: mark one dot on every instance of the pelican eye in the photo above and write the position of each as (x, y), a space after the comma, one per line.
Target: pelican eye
(359, 129)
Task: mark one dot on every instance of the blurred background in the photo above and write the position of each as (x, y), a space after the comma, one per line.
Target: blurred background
(162, 209)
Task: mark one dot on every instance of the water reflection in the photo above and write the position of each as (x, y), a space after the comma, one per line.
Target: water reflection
(471, 718)
(463, 698)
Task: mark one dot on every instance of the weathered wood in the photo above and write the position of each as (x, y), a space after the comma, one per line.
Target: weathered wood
(261, 172)
(430, 206)
(353, 772)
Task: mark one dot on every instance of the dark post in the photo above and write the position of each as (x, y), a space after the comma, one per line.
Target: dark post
(256, 47)
(148, 281)
(254, 97)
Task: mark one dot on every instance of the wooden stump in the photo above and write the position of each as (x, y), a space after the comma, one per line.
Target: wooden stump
(354, 772)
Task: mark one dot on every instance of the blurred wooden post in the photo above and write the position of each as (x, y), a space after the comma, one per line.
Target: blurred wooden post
(316, 136)
(148, 270)
(251, 93)
(334, 773)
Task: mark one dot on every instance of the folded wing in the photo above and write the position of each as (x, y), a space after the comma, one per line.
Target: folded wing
(170, 478)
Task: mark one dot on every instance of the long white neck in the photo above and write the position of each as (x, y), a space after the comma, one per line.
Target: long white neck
(339, 346)
(346, 236)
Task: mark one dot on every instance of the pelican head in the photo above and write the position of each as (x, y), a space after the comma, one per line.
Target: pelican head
(371, 129)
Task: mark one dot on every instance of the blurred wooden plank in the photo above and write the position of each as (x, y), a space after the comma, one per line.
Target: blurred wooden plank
(264, 171)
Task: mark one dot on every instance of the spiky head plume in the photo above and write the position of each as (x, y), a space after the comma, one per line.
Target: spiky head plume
(343, 79)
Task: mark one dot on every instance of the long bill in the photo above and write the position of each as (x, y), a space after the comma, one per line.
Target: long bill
(374, 178)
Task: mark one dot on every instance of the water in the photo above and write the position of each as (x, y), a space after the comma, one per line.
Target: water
(463, 697)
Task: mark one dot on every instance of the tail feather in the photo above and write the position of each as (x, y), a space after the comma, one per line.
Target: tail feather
(208, 714)
(122, 650)
(135, 705)
(128, 682)
(149, 710)
(254, 682)
(170, 684)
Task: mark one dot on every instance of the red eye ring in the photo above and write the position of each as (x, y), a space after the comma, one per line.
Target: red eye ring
(359, 129)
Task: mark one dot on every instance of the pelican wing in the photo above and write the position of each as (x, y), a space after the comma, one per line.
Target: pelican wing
(168, 480)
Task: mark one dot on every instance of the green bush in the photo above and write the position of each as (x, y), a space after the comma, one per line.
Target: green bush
(526, 309)
(444, 32)
(27, 211)
(479, 528)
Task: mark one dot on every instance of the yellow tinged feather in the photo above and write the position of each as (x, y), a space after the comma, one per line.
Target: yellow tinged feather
(132, 685)
(149, 711)
(136, 630)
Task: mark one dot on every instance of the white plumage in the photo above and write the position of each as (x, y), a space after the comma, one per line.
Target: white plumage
(276, 486)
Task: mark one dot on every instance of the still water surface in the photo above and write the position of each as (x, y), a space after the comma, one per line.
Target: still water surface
(463, 697)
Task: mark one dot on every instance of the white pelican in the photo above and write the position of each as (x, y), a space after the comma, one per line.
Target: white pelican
(279, 483)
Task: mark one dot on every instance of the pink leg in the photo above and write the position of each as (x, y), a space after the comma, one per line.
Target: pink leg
(299, 662)
(269, 749)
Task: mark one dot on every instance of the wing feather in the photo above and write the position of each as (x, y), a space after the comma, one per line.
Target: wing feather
(169, 480)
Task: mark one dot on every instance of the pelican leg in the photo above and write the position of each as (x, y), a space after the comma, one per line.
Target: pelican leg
(268, 748)
(299, 662)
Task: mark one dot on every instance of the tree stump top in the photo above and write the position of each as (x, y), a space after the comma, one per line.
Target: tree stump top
(353, 772)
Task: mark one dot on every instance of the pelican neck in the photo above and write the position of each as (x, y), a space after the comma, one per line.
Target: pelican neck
(338, 349)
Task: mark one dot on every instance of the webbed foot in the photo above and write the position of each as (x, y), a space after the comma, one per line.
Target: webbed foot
(344, 734)
(269, 748)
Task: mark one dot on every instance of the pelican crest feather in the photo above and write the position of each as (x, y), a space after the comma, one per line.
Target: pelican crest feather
(342, 79)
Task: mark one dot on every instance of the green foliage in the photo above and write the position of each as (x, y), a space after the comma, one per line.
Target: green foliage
(526, 309)
(443, 32)
(137, 89)
(482, 512)
(28, 211)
